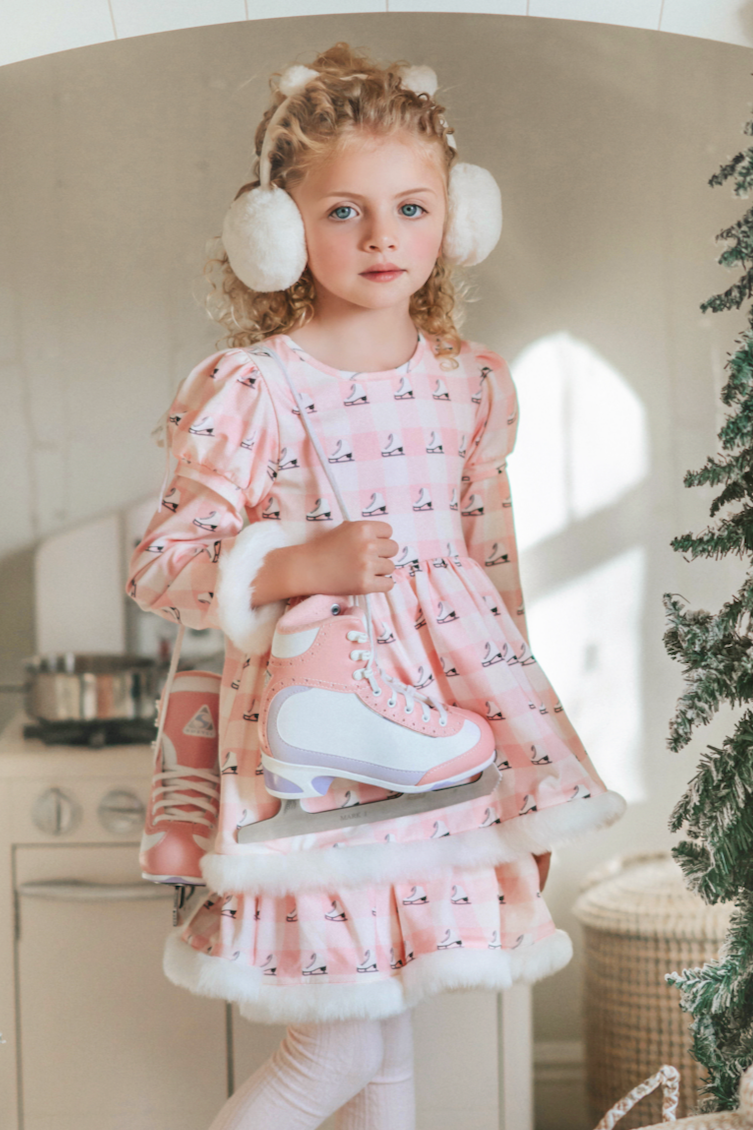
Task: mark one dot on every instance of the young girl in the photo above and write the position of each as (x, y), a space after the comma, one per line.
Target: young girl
(416, 425)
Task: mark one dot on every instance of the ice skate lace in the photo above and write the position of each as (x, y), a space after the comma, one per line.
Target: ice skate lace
(410, 694)
(170, 782)
(372, 668)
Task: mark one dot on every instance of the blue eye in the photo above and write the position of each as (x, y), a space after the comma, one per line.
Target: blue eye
(338, 212)
(413, 214)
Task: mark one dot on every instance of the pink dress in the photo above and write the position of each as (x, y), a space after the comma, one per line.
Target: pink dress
(304, 931)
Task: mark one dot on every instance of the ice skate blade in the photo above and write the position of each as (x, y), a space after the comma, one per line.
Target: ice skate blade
(292, 820)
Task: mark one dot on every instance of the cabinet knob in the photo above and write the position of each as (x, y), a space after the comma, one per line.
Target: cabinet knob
(56, 812)
(121, 811)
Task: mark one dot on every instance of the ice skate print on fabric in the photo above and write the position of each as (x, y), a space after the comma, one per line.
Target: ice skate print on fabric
(386, 635)
(157, 546)
(454, 499)
(368, 965)
(272, 509)
(230, 764)
(439, 563)
(376, 505)
(393, 446)
(204, 427)
(292, 916)
(474, 509)
(458, 896)
(523, 657)
(205, 597)
(537, 758)
(249, 380)
(252, 714)
(395, 962)
(269, 968)
(416, 897)
(493, 713)
(507, 502)
(491, 604)
(501, 762)
(230, 907)
(495, 943)
(440, 390)
(476, 398)
(171, 501)
(259, 770)
(422, 679)
(489, 819)
(558, 707)
(287, 462)
(448, 667)
(215, 552)
(357, 395)
(245, 819)
(501, 898)
(175, 418)
(579, 793)
(342, 453)
(249, 442)
(423, 501)
(350, 800)
(434, 446)
(336, 913)
(463, 446)
(420, 621)
(408, 557)
(305, 402)
(451, 940)
(321, 512)
(528, 806)
(492, 655)
(452, 553)
(210, 522)
(409, 955)
(440, 830)
(404, 390)
(445, 613)
(315, 967)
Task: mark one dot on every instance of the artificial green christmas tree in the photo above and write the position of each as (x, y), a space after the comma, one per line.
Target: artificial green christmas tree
(716, 651)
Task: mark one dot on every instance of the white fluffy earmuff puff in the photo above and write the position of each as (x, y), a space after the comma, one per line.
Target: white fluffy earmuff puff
(264, 238)
(475, 220)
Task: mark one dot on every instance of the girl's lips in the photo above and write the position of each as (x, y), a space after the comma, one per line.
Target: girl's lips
(382, 276)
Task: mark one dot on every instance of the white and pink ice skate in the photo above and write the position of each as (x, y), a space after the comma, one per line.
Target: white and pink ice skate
(184, 800)
(355, 722)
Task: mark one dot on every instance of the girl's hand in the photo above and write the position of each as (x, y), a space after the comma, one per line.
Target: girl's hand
(354, 558)
(543, 862)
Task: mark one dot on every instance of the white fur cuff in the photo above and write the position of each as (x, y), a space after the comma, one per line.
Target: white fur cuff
(250, 629)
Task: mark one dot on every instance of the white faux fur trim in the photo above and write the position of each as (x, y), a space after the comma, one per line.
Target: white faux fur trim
(427, 975)
(250, 629)
(333, 869)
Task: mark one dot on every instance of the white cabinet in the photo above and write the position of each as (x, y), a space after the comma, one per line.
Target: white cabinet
(106, 1042)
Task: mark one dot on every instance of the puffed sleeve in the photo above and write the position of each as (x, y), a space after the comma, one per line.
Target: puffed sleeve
(196, 563)
(486, 505)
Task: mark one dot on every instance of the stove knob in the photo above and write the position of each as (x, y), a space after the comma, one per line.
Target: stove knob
(121, 811)
(56, 812)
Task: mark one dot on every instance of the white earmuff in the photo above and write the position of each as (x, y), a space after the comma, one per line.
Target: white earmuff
(263, 232)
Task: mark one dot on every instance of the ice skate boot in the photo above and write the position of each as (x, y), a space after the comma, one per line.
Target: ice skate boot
(357, 395)
(209, 523)
(440, 390)
(343, 453)
(185, 796)
(368, 965)
(356, 722)
(287, 462)
(377, 505)
(497, 558)
(423, 502)
(474, 508)
(434, 446)
(392, 446)
(272, 509)
(321, 512)
(404, 390)
(203, 427)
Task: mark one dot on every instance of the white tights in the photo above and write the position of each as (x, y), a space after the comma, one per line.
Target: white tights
(363, 1069)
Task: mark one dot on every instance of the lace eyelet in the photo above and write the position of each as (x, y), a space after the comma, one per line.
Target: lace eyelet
(442, 724)
(377, 692)
(335, 609)
(392, 702)
(407, 711)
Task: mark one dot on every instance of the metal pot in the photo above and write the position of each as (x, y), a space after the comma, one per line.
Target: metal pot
(92, 688)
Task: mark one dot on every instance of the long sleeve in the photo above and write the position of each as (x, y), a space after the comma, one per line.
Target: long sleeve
(196, 562)
(486, 505)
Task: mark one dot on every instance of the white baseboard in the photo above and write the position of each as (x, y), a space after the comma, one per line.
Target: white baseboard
(559, 1081)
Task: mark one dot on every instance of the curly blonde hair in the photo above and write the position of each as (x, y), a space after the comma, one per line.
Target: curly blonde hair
(350, 94)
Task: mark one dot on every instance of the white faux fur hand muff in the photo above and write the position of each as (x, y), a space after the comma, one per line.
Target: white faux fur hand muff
(250, 629)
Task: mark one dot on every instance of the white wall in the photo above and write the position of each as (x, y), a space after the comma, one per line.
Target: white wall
(118, 162)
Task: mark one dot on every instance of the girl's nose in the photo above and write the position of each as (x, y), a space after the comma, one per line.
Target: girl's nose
(381, 238)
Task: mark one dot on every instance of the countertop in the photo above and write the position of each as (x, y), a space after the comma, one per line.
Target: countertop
(30, 757)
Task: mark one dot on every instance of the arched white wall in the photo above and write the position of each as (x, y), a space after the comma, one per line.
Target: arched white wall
(39, 27)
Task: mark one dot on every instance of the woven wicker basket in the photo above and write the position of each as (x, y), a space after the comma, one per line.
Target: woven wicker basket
(640, 923)
(668, 1078)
